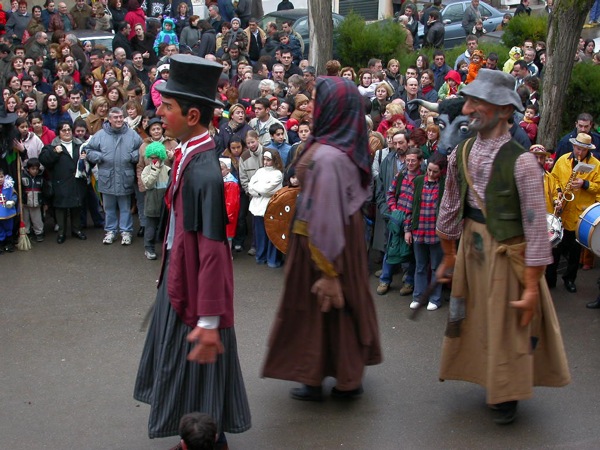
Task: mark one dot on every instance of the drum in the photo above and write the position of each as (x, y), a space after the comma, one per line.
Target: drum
(555, 229)
(279, 215)
(588, 232)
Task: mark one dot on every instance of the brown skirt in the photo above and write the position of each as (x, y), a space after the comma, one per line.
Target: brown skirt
(491, 348)
(307, 345)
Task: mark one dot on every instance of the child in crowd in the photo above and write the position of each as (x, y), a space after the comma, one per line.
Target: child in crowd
(478, 29)
(292, 125)
(463, 70)
(167, 35)
(8, 210)
(452, 85)
(300, 113)
(262, 186)
(513, 56)
(198, 431)
(232, 198)
(32, 182)
(477, 62)
(278, 142)
(250, 161)
(530, 122)
(155, 177)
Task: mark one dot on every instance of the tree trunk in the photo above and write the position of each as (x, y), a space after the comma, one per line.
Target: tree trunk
(564, 28)
(320, 23)
(257, 10)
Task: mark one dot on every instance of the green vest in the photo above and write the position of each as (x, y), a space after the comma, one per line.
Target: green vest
(503, 209)
(416, 207)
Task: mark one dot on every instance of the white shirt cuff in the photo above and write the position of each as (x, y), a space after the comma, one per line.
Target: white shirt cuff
(209, 322)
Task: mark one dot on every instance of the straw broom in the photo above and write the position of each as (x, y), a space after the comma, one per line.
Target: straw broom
(23, 243)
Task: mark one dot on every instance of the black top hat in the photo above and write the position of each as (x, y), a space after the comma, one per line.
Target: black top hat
(6, 117)
(193, 78)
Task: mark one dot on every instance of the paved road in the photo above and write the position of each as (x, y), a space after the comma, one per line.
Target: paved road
(70, 343)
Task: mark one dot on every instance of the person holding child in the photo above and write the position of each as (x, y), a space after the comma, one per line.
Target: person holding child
(8, 210)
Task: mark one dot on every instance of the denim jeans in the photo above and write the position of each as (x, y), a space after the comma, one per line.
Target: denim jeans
(266, 252)
(387, 271)
(123, 221)
(595, 12)
(427, 256)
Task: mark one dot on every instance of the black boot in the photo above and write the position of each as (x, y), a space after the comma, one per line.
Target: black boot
(507, 412)
(595, 304)
(307, 393)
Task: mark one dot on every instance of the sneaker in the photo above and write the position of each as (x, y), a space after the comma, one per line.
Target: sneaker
(252, 251)
(150, 255)
(406, 289)
(39, 238)
(432, 306)
(109, 238)
(378, 273)
(125, 238)
(414, 304)
(383, 288)
(237, 248)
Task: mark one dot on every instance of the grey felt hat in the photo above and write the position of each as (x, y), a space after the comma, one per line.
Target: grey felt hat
(495, 87)
(193, 78)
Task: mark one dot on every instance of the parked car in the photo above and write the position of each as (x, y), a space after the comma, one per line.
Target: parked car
(300, 18)
(452, 15)
(102, 38)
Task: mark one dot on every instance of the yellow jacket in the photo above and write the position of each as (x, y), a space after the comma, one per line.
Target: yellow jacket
(585, 196)
(551, 185)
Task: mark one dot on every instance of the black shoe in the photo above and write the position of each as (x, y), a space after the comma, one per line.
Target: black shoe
(570, 286)
(39, 238)
(347, 395)
(507, 412)
(9, 247)
(79, 235)
(60, 238)
(594, 305)
(307, 393)
(141, 232)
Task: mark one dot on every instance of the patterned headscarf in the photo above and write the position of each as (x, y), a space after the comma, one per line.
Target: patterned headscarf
(339, 121)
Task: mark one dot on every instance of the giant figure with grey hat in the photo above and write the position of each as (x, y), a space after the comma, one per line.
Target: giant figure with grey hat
(502, 331)
(190, 361)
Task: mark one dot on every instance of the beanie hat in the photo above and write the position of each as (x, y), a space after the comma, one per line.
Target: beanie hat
(300, 99)
(290, 123)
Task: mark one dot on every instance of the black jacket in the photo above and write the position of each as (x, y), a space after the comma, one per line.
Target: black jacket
(435, 35)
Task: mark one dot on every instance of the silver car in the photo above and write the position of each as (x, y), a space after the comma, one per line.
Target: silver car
(452, 16)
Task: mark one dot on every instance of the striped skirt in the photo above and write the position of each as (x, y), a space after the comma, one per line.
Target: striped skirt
(174, 386)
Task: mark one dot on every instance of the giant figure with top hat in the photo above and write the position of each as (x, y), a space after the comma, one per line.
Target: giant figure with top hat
(190, 362)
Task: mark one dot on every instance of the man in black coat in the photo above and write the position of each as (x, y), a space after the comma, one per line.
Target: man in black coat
(120, 39)
(435, 36)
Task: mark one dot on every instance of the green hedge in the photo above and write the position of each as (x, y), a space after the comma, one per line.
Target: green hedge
(358, 42)
(524, 27)
(582, 94)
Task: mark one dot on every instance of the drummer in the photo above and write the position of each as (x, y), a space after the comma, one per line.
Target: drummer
(551, 184)
(585, 187)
